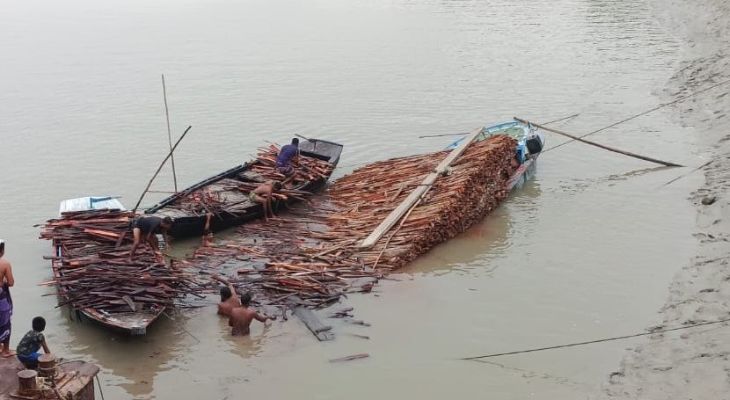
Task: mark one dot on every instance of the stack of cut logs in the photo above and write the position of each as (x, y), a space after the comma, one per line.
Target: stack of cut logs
(306, 169)
(91, 271)
(313, 255)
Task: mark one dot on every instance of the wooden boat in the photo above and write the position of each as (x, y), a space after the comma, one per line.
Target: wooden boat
(226, 195)
(132, 323)
(530, 144)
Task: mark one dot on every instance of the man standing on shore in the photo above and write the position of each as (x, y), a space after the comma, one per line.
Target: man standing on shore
(6, 302)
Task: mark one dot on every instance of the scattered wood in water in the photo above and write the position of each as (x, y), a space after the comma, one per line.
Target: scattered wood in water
(312, 255)
(350, 358)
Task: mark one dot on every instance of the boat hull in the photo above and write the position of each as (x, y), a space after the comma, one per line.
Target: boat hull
(186, 225)
(133, 323)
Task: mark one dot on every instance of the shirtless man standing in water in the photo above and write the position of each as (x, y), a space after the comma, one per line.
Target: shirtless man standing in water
(6, 302)
(229, 298)
(242, 316)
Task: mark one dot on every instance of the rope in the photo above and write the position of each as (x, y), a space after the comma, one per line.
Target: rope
(101, 392)
(561, 346)
(660, 106)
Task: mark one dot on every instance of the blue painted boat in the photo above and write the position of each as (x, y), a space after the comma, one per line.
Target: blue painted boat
(530, 144)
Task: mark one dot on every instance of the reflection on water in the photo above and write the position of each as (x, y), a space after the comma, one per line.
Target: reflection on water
(486, 240)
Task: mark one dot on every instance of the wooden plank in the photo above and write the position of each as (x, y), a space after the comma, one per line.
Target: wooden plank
(321, 331)
(418, 192)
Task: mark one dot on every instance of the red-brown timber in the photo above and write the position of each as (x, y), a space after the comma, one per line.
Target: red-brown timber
(311, 253)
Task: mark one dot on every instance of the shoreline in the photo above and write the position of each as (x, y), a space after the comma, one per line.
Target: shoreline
(693, 363)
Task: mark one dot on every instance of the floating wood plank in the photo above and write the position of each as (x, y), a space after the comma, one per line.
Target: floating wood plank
(350, 358)
(418, 192)
(320, 330)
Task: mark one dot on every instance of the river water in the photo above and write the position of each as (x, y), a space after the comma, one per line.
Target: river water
(584, 251)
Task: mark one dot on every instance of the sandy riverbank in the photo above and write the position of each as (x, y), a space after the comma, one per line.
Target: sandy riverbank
(694, 363)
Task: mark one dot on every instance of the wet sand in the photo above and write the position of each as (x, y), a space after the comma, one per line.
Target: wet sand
(694, 363)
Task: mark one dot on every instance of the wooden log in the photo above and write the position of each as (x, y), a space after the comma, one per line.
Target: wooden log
(47, 365)
(27, 383)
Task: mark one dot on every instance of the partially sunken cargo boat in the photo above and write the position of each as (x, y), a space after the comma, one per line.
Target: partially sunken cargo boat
(371, 222)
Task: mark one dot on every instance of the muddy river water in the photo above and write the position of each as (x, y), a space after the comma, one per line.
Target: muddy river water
(584, 251)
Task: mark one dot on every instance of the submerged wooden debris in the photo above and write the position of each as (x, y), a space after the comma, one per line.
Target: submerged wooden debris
(215, 200)
(91, 272)
(312, 256)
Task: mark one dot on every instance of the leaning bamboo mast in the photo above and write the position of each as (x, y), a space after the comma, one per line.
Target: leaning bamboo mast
(602, 146)
(169, 135)
(418, 193)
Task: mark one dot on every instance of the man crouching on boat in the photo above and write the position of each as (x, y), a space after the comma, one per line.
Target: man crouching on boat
(263, 194)
(147, 228)
(241, 317)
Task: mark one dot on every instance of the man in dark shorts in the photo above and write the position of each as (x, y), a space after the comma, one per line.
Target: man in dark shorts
(287, 154)
(264, 194)
(31, 343)
(6, 302)
(146, 228)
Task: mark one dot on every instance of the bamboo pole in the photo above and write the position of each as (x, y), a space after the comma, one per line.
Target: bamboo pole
(602, 146)
(169, 135)
(160, 168)
(418, 193)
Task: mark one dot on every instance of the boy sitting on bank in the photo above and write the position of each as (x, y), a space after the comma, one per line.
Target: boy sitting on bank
(28, 347)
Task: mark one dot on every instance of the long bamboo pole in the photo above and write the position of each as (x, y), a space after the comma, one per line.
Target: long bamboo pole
(602, 146)
(160, 168)
(169, 135)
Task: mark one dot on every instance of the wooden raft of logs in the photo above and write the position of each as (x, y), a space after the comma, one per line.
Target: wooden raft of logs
(312, 254)
(209, 200)
(91, 272)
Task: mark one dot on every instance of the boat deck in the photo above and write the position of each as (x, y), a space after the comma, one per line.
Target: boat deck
(74, 380)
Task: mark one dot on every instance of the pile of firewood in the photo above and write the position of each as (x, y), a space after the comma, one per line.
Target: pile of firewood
(306, 169)
(208, 201)
(313, 255)
(92, 270)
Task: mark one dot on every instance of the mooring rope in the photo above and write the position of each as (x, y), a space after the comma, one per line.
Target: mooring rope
(561, 346)
(660, 106)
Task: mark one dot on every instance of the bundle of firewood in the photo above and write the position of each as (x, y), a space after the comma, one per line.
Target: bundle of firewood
(314, 254)
(306, 169)
(91, 268)
(208, 200)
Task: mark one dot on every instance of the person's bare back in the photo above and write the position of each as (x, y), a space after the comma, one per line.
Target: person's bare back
(225, 307)
(241, 317)
(6, 273)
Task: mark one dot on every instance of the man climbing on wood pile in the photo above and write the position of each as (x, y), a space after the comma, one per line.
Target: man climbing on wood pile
(264, 194)
(287, 154)
(147, 228)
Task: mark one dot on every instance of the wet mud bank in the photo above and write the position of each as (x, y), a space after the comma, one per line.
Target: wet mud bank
(693, 363)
